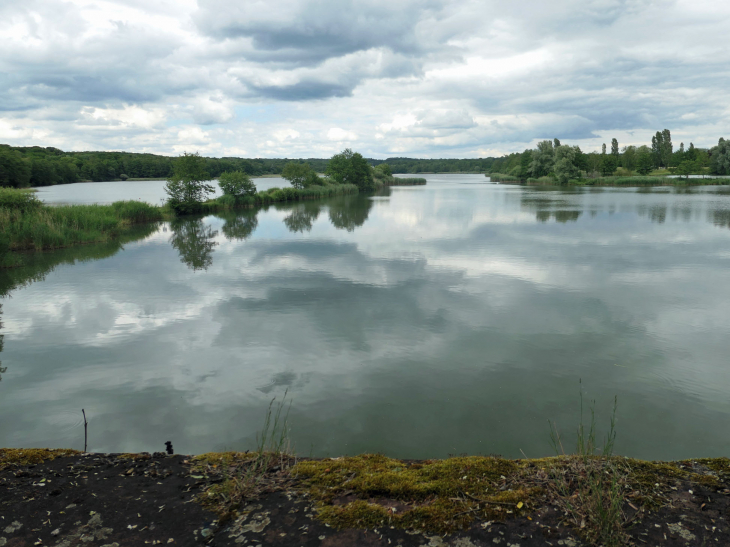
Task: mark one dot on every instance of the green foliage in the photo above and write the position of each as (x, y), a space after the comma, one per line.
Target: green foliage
(564, 168)
(136, 212)
(385, 169)
(15, 171)
(299, 175)
(542, 159)
(686, 168)
(609, 163)
(187, 187)
(644, 160)
(350, 167)
(23, 200)
(63, 226)
(236, 184)
(720, 158)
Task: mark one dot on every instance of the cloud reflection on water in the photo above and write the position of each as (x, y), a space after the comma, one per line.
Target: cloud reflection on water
(447, 320)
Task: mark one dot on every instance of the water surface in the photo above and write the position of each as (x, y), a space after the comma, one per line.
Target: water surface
(451, 318)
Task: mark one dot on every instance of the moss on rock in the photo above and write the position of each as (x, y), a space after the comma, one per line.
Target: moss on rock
(32, 456)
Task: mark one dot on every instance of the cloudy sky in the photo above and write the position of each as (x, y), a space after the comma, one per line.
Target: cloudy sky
(307, 78)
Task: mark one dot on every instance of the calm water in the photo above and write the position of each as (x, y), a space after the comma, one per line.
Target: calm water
(452, 318)
(151, 191)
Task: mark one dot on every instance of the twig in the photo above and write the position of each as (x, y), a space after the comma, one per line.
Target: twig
(490, 502)
(86, 424)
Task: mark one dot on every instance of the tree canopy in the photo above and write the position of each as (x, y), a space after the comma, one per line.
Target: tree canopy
(350, 167)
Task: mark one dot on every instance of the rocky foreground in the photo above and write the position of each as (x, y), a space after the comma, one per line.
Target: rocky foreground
(63, 498)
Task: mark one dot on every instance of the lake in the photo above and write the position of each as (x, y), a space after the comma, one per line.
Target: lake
(456, 317)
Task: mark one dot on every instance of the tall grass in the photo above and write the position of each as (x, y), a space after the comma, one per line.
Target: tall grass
(501, 177)
(405, 181)
(253, 474)
(589, 486)
(34, 226)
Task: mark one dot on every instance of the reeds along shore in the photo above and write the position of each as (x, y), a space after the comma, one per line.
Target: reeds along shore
(648, 180)
(28, 224)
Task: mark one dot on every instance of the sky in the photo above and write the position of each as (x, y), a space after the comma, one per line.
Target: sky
(308, 78)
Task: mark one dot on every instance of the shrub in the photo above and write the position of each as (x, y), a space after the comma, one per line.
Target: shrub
(237, 184)
(22, 200)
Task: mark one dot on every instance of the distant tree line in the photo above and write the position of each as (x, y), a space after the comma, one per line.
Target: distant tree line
(37, 166)
(562, 162)
(413, 165)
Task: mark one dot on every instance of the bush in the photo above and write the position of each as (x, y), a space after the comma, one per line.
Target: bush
(237, 184)
(623, 172)
(19, 199)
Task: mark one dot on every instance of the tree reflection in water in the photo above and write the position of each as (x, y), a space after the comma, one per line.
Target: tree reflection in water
(239, 225)
(349, 212)
(194, 241)
(302, 217)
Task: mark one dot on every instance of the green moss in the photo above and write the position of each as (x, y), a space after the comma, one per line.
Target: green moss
(220, 459)
(437, 496)
(31, 456)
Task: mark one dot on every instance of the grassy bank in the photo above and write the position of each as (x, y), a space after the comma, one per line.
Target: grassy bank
(648, 180)
(26, 224)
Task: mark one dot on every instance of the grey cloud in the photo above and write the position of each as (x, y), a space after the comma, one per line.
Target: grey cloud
(314, 31)
(304, 91)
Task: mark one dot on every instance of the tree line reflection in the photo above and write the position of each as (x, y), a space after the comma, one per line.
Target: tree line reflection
(194, 239)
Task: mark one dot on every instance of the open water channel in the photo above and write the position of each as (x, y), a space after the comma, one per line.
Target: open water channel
(451, 318)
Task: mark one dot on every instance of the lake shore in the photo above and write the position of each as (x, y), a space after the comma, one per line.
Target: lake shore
(628, 181)
(26, 224)
(54, 497)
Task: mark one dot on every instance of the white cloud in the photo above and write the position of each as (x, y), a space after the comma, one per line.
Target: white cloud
(339, 134)
(297, 78)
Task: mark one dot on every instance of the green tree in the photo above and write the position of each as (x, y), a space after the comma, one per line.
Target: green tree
(564, 167)
(298, 174)
(656, 149)
(614, 149)
(188, 186)
(666, 147)
(691, 153)
(350, 167)
(720, 158)
(15, 171)
(686, 168)
(385, 168)
(237, 184)
(628, 158)
(644, 160)
(525, 162)
(542, 159)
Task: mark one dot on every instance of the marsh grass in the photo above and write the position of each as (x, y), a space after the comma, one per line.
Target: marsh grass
(42, 227)
(589, 486)
(405, 181)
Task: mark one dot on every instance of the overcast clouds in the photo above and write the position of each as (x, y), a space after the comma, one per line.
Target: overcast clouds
(306, 78)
